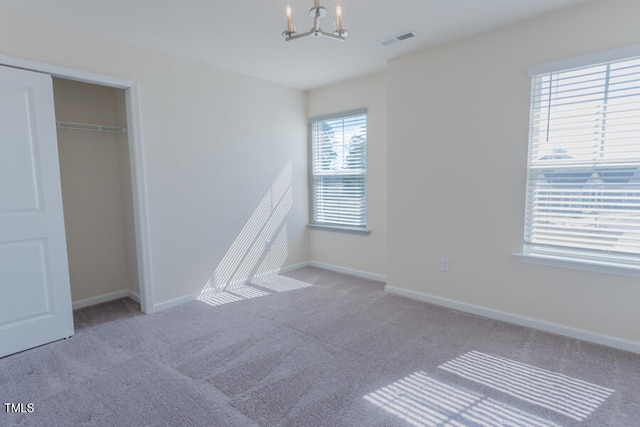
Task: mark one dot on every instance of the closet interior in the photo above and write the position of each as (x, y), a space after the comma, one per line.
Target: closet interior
(96, 182)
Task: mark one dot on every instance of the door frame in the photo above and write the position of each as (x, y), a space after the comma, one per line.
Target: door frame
(136, 159)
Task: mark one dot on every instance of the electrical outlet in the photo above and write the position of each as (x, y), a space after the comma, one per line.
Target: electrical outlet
(445, 264)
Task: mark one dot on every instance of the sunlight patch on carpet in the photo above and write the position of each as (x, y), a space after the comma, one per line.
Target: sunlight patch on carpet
(280, 283)
(425, 402)
(235, 294)
(571, 397)
(248, 292)
(238, 293)
(219, 298)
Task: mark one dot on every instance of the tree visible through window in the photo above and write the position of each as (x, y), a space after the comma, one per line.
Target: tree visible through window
(339, 166)
(583, 195)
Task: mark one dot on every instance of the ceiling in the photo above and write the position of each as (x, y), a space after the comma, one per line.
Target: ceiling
(245, 35)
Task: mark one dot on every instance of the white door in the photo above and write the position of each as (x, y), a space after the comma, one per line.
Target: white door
(35, 296)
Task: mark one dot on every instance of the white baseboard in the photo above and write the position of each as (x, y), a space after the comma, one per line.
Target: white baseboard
(529, 322)
(351, 271)
(134, 296)
(294, 266)
(174, 302)
(111, 296)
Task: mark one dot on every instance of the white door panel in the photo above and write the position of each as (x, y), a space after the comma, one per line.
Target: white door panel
(23, 273)
(35, 297)
(17, 153)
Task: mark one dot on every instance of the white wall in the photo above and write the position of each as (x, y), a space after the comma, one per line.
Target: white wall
(213, 143)
(91, 165)
(458, 132)
(364, 253)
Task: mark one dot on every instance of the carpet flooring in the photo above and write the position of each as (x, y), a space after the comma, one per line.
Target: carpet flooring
(315, 348)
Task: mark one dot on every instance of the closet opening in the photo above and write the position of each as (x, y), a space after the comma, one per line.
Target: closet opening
(97, 195)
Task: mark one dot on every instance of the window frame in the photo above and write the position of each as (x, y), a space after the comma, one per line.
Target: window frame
(330, 226)
(584, 263)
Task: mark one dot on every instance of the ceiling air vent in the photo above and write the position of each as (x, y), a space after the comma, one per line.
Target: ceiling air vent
(398, 38)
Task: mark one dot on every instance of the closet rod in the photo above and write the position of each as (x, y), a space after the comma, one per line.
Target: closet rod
(91, 127)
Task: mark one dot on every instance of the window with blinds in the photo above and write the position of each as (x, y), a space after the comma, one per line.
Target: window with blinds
(583, 186)
(338, 169)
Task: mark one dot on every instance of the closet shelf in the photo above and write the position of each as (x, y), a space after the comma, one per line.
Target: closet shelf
(90, 127)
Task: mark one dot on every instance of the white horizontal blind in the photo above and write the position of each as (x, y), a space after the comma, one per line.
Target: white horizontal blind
(339, 165)
(583, 194)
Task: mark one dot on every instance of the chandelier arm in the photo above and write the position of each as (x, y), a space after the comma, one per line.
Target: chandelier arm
(332, 35)
(299, 36)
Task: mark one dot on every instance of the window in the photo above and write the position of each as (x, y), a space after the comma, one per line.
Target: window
(338, 169)
(583, 186)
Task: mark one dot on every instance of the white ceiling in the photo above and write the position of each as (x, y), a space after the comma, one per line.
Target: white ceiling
(245, 35)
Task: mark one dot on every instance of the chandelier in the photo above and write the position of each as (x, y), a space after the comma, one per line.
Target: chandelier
(316, 12)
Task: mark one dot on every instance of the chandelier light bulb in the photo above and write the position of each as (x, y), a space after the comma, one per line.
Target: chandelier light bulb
(289, 24)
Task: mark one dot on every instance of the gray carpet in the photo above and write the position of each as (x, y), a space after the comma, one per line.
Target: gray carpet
(315, 348)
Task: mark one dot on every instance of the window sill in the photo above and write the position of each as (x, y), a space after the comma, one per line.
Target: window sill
(583, 265)
(338, 228)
